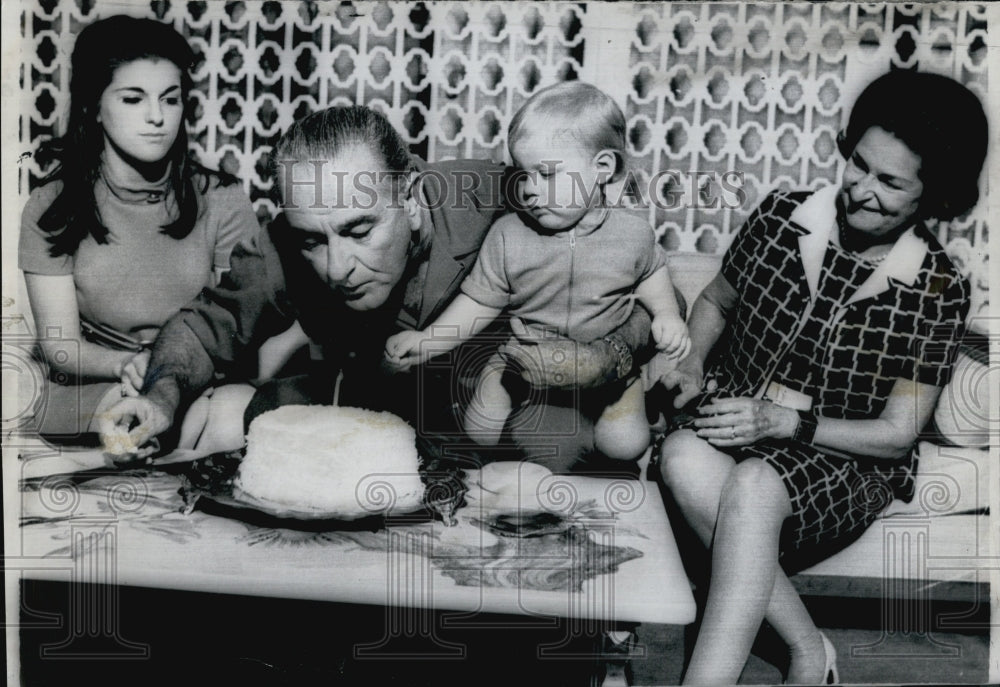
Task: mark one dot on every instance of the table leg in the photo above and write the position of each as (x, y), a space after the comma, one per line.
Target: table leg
(616, 654)
(656, 656)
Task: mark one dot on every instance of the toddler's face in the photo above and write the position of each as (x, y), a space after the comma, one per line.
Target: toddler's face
(559, 182)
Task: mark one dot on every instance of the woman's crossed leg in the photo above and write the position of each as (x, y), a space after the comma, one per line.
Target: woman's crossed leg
(738, 510)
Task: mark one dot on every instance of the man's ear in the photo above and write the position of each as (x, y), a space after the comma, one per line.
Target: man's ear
(606, 164)
(412, 204)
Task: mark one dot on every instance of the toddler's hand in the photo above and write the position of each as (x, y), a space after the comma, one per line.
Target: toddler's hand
(403, 349)
(132, 372)
(671, 336)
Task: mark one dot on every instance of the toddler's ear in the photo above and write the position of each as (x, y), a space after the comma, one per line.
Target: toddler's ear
(606, 162)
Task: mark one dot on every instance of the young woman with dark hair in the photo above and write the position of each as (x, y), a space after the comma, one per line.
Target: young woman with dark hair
(127, 227)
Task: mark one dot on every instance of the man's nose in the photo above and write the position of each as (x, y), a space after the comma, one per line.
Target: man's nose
(339, 261)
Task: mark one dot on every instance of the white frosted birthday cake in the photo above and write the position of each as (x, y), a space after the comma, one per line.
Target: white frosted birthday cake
(332, 459)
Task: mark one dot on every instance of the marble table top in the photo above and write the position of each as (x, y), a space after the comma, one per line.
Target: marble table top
(603, 551)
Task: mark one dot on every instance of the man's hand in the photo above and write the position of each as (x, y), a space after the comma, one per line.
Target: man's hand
(149, 418)
(547, 361)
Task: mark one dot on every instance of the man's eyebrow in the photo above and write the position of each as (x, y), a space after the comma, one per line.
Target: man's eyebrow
(305, 230)
(356, 222)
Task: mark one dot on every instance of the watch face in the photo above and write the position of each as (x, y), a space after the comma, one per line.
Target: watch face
(806, 430)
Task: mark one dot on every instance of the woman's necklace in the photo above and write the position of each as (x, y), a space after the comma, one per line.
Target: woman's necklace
(859, 251)
(876, 260)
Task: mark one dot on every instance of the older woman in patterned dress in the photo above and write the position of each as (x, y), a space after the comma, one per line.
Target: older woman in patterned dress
(826, 337)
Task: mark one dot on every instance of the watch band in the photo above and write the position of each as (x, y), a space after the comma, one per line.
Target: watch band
(624, 353)
(805, 431)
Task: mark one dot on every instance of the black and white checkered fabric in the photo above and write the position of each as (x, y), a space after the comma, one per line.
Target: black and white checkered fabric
(846, 358)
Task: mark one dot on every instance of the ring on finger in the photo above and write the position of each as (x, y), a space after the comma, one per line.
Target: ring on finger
(732, 432)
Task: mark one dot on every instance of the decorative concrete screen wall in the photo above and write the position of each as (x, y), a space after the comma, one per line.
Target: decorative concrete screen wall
(759, 90)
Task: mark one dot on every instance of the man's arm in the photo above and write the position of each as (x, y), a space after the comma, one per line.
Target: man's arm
(218, 328)
(556, 362)
(179, 368)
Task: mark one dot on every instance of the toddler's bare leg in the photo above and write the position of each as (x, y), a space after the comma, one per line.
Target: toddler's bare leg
(223, 427)
(622, 431)
(490, 406)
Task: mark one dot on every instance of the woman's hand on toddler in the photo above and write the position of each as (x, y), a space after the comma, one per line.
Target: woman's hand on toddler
(403, 350)
(671, 336)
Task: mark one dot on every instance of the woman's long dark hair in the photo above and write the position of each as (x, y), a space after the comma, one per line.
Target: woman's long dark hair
(101, 48)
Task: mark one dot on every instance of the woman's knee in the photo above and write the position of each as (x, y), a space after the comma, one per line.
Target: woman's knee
(679, 457)
(691, 468)
(754, 486)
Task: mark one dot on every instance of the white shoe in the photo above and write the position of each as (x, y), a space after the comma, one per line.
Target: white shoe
(830, 674)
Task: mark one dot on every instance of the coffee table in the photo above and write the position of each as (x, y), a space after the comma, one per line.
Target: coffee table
(607, 558)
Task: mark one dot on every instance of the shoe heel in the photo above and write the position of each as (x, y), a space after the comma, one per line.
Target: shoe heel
(830, 674)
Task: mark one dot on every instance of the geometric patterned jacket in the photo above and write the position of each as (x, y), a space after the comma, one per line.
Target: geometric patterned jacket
(905, 320)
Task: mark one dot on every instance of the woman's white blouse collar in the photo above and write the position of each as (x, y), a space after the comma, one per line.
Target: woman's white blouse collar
(818, 216)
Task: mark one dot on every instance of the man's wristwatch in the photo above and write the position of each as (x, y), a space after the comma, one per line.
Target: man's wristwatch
(805, 431)
(624, 366)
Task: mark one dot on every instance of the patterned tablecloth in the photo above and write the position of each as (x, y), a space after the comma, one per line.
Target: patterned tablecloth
(603, 552)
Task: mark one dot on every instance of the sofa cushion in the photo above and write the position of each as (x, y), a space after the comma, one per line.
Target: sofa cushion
(950, 479)
(962, 414)
(904, 557)
(691, 272)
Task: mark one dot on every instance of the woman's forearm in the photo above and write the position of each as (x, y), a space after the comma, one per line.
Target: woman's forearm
(83, 360)
(742, 421)
(877, 438)
(57, 321)
(890, 435)
(708, 317)
(705, 327)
